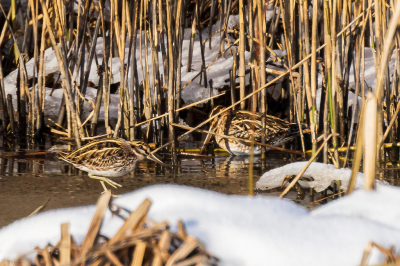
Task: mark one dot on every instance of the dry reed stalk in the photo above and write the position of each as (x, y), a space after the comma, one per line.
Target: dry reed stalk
(162, 29)
(265, 86)
(263, 96)
(181, 230)
(5, 28)
(94, 227)
(10, 110)
(363, 55)
(232, 83)
(120, 40)
(289, 49)
(345, 54)
(251, 165)
(46, 256)
(382, 72)
(210, 64)
(197, 260)
(389, 127)
(180, 109)
(162, 248)
(179, 31)
(225, 30)
(241, 55)
(156, 72)
(369, 136)
(380, 69)
(183, 251)
(328, 70)
(221, 15)
(171, 93)
(193, 33)
(326, 127)
(3, 104)
(151, 245)
(65, 245)
(108, 62)
(134, 83)
(328, 197)
(38, 209)
(132, 222)
(296, 109)
(358, 151)
(23, 89)
(99, 95)
(65, 74)
(14, 27)
(250, 28)
(337, 92)
(34, 104)
(203, 61)
(391, 258)
(212, 12)
(85, 75)
(117, 29)
(275, 25)
(359, 46)
(41, 80)
(113, 258)
(314, 71)
(147, 94)
(138, 254)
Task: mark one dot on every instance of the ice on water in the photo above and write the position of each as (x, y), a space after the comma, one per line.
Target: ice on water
(323, 175)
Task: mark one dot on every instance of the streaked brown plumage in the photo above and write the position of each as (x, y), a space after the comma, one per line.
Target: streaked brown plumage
(244, 124)
(112, 157)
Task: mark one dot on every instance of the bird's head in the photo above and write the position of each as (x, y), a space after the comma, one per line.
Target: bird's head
(219, 118)
(145, 150)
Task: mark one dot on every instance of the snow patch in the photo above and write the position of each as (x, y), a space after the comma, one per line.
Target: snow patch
(323, 175)
(240, 230)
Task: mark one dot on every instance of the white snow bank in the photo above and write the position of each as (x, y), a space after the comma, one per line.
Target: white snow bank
(323, 175)
(381, 205)
(53, 103)
(240, 230)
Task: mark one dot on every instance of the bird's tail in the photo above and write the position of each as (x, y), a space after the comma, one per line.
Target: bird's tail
(294, 129)
(286, 139)
(294, 132)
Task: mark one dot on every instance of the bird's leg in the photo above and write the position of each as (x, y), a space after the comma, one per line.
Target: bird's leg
(105, 179)
(105, 189)
(104, 186)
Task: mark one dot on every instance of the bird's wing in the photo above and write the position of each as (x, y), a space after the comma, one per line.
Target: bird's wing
(245, 124)
(97, 154)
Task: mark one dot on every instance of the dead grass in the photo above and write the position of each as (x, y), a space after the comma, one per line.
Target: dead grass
(139, 241)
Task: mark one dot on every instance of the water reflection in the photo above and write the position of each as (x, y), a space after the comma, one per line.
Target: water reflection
(28, 181)
(192, 172)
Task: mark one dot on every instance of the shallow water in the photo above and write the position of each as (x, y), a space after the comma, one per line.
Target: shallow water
(27, 183)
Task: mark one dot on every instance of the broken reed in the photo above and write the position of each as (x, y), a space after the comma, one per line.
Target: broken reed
(138, 241)
(323, 42)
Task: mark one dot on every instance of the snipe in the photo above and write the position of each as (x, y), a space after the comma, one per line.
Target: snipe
(244, 124)
(112, 157)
